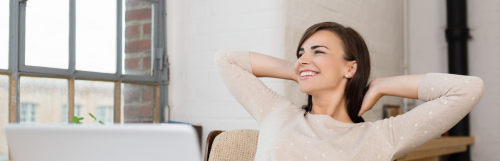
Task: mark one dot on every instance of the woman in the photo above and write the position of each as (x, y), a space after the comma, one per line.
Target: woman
(333, 68)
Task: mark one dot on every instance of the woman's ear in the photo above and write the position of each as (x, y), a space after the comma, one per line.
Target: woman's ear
(352, 67)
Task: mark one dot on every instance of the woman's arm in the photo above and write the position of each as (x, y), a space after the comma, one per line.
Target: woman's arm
(241, 80)
(448, 98)
(268, 66)
(401, 86)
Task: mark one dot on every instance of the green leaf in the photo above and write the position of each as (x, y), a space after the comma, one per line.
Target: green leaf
(92, 116)
(77, 120)
(101, 122)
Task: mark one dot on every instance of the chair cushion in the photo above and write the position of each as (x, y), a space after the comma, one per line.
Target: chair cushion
(238, 144)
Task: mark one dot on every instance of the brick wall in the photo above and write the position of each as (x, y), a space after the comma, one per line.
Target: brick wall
(138, 38)
(138, 102)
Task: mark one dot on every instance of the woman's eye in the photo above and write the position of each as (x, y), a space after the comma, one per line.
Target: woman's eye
(300, 55)
(318, 52)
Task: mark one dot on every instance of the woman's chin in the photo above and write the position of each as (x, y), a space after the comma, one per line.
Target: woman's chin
(305, 90)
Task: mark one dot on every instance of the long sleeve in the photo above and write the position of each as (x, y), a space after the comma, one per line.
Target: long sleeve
(448, 98)
(235, 70)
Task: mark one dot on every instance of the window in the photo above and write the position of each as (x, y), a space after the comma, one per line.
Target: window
(138, 103)
(105, 114)
(4, 35)
(66, 58)
(46, 95)
(4, 115)
(47, 34)
(28, 113)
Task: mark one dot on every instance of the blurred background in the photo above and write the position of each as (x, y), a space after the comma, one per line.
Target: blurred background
(152, 61)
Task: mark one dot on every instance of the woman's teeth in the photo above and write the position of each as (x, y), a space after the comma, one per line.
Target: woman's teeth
(307, 74)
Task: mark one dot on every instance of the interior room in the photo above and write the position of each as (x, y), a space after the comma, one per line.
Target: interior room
(153, 62)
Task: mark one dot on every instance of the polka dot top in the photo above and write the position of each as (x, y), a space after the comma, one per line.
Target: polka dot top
(286, 134)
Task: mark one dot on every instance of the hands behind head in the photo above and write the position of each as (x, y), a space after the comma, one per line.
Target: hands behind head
(371, 96)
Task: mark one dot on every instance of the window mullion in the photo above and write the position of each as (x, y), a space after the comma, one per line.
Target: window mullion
(72, 38)
(71, 99)
(13, 98)
(157, 105)
(117, 115)
(119, 37)
(21, 34)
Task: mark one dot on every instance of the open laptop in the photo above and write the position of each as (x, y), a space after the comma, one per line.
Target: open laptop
(102, 142)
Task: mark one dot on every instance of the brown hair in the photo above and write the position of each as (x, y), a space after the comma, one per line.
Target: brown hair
(354, 49)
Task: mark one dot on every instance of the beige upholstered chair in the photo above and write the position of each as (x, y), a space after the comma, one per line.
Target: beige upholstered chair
(239, 144)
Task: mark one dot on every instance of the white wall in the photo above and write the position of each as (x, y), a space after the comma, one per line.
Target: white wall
(196, 29)
(428, 53)
(484, 55)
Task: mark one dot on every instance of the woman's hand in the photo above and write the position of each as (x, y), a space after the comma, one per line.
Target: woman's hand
(371, 96)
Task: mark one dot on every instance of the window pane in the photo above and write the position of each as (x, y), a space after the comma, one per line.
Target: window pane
(138, 103)
(96, 35)
(47, 33)
(138, 40)
(42, 100)
(4, 116)
(94, 97)
(4, 36)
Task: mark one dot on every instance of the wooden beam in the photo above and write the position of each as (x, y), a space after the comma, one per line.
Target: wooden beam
(157, 105)
(71, 99)
(12, 98)
(440, 146)
(448, 141)
(118, 100)
(433, 153)
(427, 159)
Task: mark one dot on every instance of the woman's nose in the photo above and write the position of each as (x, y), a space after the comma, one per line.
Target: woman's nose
(304, 59)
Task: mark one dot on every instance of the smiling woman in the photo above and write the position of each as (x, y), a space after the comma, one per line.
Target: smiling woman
(333, 67)
(347, 51)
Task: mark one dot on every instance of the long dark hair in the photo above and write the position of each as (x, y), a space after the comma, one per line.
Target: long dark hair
(354, 49)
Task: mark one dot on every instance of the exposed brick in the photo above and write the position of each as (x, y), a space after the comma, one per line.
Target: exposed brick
(138, 46)
(146, 29)
(147, 95)
(131, 111)
(131, 96)
(132, 63)
(132, 31)
(146, 62)
(133, 2)
(138, 14)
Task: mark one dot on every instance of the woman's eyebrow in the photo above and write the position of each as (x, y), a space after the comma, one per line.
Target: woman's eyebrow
(313, 47)
(317, 46)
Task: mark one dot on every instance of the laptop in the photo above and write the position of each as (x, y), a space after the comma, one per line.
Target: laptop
(103, 142)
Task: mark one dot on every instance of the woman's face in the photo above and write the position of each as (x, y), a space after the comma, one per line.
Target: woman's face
(321, 66)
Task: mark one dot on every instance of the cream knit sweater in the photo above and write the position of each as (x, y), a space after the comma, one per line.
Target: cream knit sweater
(286, 134)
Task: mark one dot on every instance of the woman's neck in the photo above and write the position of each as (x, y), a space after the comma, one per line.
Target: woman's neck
(333, 104)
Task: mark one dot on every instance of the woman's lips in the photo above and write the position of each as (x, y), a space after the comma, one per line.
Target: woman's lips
(307, 77)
